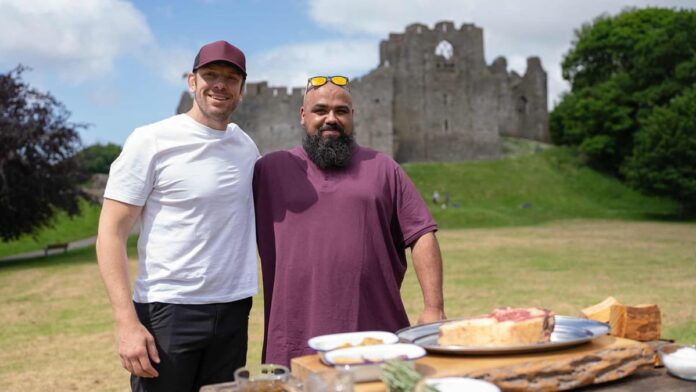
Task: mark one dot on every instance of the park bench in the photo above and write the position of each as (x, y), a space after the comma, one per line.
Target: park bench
(48, 247)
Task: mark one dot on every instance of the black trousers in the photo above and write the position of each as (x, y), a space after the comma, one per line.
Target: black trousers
(197, 344)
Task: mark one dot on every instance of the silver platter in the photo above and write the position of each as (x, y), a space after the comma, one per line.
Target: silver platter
(568, 332)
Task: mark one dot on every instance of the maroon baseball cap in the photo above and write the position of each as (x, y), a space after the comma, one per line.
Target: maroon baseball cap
(220, 51)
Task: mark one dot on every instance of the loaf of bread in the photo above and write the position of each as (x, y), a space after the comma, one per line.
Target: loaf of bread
(639, 322)
(501, 328)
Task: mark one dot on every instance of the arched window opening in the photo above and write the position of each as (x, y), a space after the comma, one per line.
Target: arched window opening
(444, 49)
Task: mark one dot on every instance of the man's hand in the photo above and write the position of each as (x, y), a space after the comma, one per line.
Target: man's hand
(431, 315)
(136, 346)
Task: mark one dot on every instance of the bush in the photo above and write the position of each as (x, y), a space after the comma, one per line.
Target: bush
(664, 158)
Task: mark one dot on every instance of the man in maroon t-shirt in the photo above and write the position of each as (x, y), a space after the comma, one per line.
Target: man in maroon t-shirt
(333, 222)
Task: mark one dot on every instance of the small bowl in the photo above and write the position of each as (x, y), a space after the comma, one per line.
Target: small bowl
(680, 360)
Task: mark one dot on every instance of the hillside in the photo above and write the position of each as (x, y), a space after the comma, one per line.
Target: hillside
(64, 229)
(528, 189)
(535, 184)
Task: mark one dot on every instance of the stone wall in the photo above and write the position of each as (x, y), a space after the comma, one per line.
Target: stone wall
(271, 116)
(431, 98)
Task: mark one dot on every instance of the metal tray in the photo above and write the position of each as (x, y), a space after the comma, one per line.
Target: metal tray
(568, 332)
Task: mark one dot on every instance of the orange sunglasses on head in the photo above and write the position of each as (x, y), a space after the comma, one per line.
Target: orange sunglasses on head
(318, 81)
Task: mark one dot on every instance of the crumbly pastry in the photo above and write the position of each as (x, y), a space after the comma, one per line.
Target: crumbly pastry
(502, 327)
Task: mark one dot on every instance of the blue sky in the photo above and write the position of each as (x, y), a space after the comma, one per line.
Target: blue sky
(118, 64)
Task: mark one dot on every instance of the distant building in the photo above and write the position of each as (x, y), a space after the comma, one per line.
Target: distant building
(432, 98)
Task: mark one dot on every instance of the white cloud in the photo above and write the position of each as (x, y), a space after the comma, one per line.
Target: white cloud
(512, 28)
(79, 40)
(169, 63)
(290, 66)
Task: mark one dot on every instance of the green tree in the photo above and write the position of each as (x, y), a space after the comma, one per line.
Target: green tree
(621, 69)
(37, 173)
(97, 158)
(664, 158)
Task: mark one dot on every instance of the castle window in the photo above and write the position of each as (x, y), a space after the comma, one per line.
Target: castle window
(444, 98)
(446, 125)
(444, 49)
(522, 104)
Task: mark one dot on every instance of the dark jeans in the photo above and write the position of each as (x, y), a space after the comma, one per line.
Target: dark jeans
(197, 344)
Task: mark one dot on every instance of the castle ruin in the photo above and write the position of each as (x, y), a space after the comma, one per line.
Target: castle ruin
(431, 98)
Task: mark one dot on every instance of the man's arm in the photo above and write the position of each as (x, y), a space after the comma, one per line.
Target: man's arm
(136, 345)
(427, 262)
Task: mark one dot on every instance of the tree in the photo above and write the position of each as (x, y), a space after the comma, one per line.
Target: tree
(621, 69)
(664, 158)
(37, 173)
(97, 158)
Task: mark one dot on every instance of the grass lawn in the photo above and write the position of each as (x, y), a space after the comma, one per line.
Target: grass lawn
(64, 229)
(57, 332)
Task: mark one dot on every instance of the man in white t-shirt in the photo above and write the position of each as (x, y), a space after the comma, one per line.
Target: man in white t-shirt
(188, 180)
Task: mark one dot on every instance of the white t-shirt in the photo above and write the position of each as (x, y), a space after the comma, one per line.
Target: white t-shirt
(197, 240)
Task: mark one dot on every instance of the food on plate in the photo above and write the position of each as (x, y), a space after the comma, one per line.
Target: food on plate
(500, 328)
(640, 322)
(367, 341)
(365, 359)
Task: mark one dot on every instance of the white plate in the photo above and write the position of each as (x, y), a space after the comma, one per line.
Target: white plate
(372, 358)
(336, 340)
(378, 353)
(458, 384)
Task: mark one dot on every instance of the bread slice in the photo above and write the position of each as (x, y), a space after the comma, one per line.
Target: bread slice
(602, 311)
(501, 328)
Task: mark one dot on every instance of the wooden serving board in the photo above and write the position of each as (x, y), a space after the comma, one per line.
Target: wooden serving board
(603, 359)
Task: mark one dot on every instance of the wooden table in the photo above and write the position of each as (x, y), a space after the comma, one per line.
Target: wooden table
(606, 364)
(601, 361)
(647, 380)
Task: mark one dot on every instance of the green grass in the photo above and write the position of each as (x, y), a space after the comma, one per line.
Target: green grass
(64, 229)
(528, 190)
(58, 334)
(567, 266)
(582, 238)
(536, 184)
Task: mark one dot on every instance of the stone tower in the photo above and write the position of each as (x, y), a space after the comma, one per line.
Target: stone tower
(431, 98)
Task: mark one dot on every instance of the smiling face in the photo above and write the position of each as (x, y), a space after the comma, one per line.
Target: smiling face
(327, 117)
(217, 90)
(327, 110)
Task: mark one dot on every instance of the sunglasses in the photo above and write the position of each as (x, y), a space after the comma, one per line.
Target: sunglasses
(318, 81)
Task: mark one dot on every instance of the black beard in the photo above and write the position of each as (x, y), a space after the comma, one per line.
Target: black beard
(329, 152)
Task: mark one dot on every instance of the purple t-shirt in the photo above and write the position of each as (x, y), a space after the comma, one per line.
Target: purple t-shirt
(332, 246)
